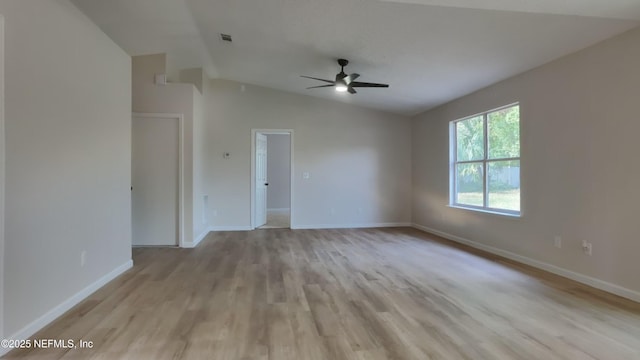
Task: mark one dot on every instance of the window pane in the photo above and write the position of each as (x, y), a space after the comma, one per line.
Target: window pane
(469, 184)
(504, 185)
(470, 139)
(504, 133)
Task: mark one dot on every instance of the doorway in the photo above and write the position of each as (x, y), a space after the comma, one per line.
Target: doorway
(271, 179)
(156, 179)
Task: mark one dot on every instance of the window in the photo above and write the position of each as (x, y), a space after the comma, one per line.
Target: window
(485, 161)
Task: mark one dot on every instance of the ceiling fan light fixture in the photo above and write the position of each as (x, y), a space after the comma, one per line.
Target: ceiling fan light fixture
(341, 85)
(344, 82)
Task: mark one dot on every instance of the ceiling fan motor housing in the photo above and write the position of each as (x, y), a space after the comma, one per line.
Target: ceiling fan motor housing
(341, 75)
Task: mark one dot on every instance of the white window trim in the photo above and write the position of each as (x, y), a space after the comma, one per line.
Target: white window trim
(453, 154)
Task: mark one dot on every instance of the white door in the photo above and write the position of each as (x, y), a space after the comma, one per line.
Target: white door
(155, 181)
(261, 179)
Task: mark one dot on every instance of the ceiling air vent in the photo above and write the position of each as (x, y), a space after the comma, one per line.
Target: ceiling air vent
(226, 37)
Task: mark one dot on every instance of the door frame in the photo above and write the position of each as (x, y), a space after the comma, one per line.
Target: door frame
(252, 178)
(180, 118)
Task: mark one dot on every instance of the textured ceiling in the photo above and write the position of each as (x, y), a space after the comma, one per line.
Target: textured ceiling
(429, 51)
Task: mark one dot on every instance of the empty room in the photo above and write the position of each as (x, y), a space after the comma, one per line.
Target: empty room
(319, 179)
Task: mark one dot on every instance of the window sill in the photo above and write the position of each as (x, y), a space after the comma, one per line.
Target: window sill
(485, 211)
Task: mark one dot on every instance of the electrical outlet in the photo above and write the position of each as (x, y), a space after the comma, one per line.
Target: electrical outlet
(215, 213)
(557, 241)
(587, 247)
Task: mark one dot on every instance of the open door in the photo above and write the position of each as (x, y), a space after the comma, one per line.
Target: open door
(272, 179)
(261, 180)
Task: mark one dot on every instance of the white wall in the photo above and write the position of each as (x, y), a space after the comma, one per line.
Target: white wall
(200, 160)
(278, 171)
(579, 124)
(359, 159)
(68, 151)
(195, 76)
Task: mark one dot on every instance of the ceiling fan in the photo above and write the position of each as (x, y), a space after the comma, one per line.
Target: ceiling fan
(345, 82)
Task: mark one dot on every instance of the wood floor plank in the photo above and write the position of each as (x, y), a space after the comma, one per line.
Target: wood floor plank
(373, 294)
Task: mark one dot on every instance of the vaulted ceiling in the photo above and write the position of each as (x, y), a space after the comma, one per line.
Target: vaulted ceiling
(429, 51)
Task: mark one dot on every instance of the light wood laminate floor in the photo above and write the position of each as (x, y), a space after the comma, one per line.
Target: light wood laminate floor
(342, 294)
(277, 219)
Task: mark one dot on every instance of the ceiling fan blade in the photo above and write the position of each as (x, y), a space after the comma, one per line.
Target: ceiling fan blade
(320, 86)
(364, 84)
(351, 90)
(309, 77)
(349, 79)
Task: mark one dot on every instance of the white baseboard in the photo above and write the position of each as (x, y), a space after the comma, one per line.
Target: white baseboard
(231, 228)
(320, 226)
(584, 279)
(57, 311)
(349, 226)
(196, 241)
